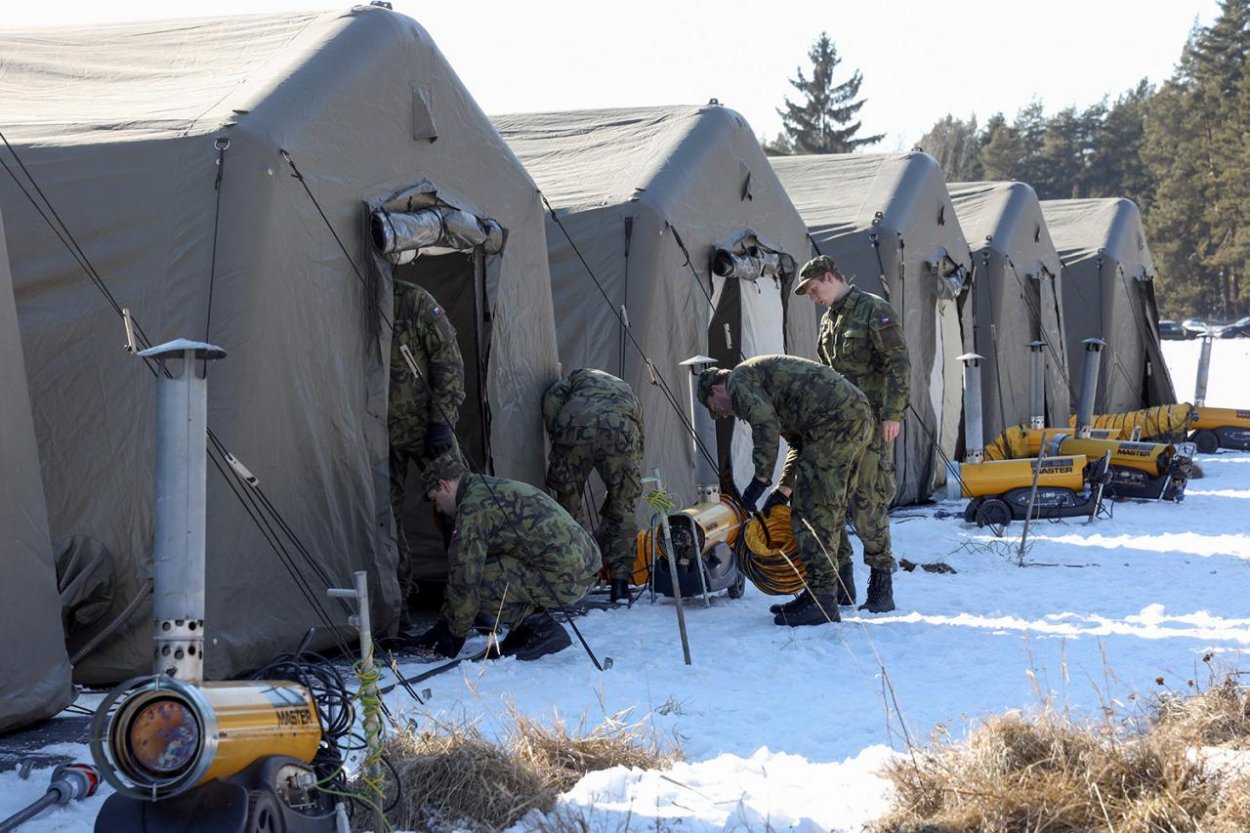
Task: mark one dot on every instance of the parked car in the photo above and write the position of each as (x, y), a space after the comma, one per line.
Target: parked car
(1171, 331)
(1195, 327)
(1238, 329)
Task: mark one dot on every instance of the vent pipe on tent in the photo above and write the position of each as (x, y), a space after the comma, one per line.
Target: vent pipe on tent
(400, 234)
(974, 433)
(181, 469)
(1204, 370)
(705, 475)
(1037, 384)
(752, 264)
(1089, 386)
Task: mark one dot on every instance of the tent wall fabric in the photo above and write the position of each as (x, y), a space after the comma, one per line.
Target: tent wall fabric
(647, 197)
(1016, 299)
(34, 668)
(888, 222)
(178, 157)
(1108, 293)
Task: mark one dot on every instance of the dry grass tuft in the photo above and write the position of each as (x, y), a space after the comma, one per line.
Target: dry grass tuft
(455, 778)
(1042, 773)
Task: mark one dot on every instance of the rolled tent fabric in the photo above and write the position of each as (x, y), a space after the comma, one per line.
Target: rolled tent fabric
(34, 667)
(1108, 293)
(1016, 300)
(217, 174)
(888, 222)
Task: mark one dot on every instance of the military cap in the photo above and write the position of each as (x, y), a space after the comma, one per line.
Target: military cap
(709, 377)
(446, 466)
(815, 269)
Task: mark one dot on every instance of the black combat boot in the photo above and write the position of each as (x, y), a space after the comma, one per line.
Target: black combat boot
(790, 605)
(880, 592)
(619, 590)
(816, 609)
(846, 584)
(536, 636)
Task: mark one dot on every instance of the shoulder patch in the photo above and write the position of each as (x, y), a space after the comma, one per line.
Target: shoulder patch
(886, 320)
(436, 310)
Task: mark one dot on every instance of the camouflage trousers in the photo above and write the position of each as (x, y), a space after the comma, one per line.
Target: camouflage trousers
(407, 449)
(824, 481)
(612, 446)
(870, 504)
(511, 588)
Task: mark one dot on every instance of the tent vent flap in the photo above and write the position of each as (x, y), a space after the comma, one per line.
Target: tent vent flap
(416, 219)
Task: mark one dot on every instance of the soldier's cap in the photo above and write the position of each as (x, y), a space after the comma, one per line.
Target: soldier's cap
(813, 270)
(446, 466)
(709, 377)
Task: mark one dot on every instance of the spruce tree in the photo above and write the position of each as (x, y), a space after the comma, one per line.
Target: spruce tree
(824, 121)
(956, 145)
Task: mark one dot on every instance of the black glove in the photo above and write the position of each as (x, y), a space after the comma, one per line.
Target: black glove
(440, 639)
(752, 494)
(776, 498)
(438, 438)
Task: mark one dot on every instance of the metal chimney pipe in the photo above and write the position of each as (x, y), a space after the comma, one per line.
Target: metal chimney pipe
(705, 474)
(1037, 385)
(1089, 385)
(1204, 370)
(181, 469)
(974, 432)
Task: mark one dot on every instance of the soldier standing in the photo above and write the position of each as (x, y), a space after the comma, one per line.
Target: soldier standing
(861, 339)
(595, 422)
(420, 412)
(514, 553)
(828, 423)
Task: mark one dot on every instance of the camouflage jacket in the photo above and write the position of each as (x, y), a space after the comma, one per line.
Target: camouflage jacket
(785, 396)
(584, 396)
(422, 324)
(860, 337)
(497, 518)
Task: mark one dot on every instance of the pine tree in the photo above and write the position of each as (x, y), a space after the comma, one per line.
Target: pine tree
(956, 145)
(824, 122)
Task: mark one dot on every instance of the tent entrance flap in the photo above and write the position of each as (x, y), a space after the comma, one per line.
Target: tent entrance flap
(458, 282)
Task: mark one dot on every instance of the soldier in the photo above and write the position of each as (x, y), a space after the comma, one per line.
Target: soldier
(861, 339)
(828, 424)
(514, 553)
(420, 412)
(594, 421)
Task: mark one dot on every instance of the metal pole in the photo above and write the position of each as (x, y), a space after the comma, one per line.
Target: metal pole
(672, 571)
(1089, 386)
(1204, 370)
(181, 483)
(1037, 384)
(974, 433)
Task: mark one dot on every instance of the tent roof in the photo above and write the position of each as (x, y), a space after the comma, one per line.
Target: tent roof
(591, 158)
(1005, 217)
(156, 79)
(1082, 229)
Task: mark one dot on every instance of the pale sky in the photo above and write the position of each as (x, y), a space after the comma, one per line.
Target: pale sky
(920, 60)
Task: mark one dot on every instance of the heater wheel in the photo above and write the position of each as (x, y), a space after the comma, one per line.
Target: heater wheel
(263, 813)
(1206, 441)
(993, 513)
(739, 586)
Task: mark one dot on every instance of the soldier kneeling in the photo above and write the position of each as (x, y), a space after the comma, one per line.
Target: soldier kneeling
(515, 553)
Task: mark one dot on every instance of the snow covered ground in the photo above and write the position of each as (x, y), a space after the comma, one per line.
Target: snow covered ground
(787, 729)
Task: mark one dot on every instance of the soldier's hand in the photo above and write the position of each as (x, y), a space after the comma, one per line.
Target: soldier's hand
(438, 438)
(440, 640)
(751, 495)
(890, 429)
(775, 498)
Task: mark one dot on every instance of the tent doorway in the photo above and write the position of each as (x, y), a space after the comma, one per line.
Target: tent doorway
(457, 280)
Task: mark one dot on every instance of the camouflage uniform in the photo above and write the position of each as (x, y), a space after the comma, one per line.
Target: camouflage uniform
(594, 421)
(861, 339)
(412, 404)
(515, 551)
(828, 423)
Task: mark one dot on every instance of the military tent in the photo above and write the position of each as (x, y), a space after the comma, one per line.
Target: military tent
(217, 177)
(1109, 293)
(888, 222)
(34, 668)
(667, 221)
(1016, 300)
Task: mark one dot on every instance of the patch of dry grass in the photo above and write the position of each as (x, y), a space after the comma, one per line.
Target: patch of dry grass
(1044, 773)
(452, 776)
